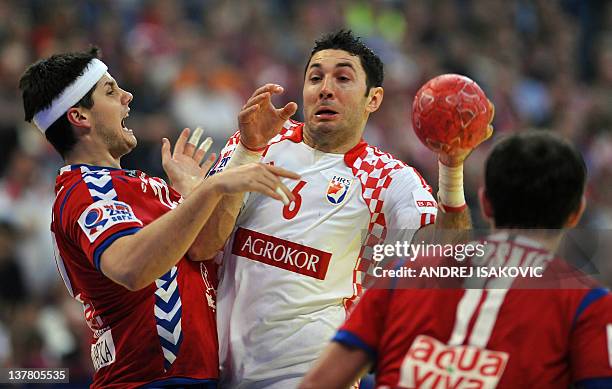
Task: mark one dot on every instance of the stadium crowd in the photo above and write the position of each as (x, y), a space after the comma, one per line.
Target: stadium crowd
(545, 64)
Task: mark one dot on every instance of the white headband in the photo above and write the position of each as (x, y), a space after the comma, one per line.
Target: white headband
(71, 95)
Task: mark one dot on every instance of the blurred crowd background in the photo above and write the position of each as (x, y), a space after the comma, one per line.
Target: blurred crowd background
(546, 64)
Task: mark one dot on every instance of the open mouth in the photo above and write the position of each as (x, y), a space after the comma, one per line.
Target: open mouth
(123, 125)
(325, 113)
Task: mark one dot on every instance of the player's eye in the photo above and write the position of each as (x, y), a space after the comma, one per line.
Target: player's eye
(315, 78)
(110, 92)
(343, 78)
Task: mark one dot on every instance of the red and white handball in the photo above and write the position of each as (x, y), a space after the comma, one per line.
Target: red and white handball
(451, 112)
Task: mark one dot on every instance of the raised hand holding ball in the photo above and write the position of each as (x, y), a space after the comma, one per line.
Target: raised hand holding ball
(451, 116)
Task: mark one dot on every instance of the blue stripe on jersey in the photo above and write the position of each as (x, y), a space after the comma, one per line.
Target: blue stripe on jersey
(595, 383)
(592, 296)
(168, 316)
(87, 170)
(64, 201)
(190, 383)
(168, 305)
(348, 338)
(100, 249)
(100, 184)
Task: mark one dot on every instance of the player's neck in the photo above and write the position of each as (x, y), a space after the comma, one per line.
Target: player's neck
(92, 156)
(327, 144)
(548, 239)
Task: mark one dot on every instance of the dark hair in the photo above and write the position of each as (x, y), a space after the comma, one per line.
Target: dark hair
(345, 40)
(45, 80)
(534, 180)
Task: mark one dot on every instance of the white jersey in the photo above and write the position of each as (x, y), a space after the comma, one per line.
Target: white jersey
(290, 273)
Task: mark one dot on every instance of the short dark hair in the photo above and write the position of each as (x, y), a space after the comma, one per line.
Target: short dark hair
(45, 80)
(345, 40)
(534, 179)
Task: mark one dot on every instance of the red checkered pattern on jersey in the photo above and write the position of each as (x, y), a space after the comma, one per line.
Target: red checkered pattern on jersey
(292, 130)
(372, 168)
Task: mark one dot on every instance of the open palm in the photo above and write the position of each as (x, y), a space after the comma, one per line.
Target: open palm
(186, 166)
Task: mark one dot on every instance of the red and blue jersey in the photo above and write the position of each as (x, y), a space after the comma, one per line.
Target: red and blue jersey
(486, 338)
(163, 334)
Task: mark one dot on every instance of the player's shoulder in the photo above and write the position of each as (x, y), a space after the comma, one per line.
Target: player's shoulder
(368, 158)
(78, 186)
(371, 163)
(292, 131)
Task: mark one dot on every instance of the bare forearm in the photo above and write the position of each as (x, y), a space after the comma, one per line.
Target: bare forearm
(137, 260)
(453, 222)
(217, 229)
(213, 236)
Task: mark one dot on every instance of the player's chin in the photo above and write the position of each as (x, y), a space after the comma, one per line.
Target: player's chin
(324, 125)
(130, 138)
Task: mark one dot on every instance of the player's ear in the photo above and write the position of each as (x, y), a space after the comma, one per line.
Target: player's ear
(78, 117)
(485, 205)
(574, 217)
(375, 98)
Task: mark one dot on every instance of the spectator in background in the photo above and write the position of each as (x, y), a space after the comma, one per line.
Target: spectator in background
(12, 287)
(25, 200)
(561, 47)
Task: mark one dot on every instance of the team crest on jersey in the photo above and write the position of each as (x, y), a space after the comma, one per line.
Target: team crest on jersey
(338, 189)
(102, 215)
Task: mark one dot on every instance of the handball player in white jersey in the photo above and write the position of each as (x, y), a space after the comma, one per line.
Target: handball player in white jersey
(290, 272)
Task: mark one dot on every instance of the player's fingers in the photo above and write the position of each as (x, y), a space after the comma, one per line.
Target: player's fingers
(165, 150)
(266, 88)
(268, 192)
(275, 184)
(202, 150)
(193, 142)
(287, 111)
(207, 164)
(285, 193)
(268, 179)
(179, 147)
(489, 132)
(279, 171)
(245, 115)
(256, 100)
(492, 109)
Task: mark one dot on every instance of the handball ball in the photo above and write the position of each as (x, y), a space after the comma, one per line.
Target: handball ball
(449, 112)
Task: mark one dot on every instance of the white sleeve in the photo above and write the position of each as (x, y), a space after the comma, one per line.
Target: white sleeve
(408, 204)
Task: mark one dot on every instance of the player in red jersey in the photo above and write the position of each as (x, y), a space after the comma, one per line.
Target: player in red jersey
(122, 238)
(496, 336)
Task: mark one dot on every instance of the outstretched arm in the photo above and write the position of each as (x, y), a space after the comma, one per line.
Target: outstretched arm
(258, 122)
(453, 222)
(135, 261)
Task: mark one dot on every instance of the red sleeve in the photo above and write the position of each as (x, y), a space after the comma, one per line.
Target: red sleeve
(93, 216)
(226, 154)
(364, 327)
(591, 341)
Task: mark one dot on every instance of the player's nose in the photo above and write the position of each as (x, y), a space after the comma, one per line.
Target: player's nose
(326, 90)
(127, 97)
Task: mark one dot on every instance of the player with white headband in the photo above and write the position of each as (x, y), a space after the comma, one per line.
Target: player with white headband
(129, 246)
